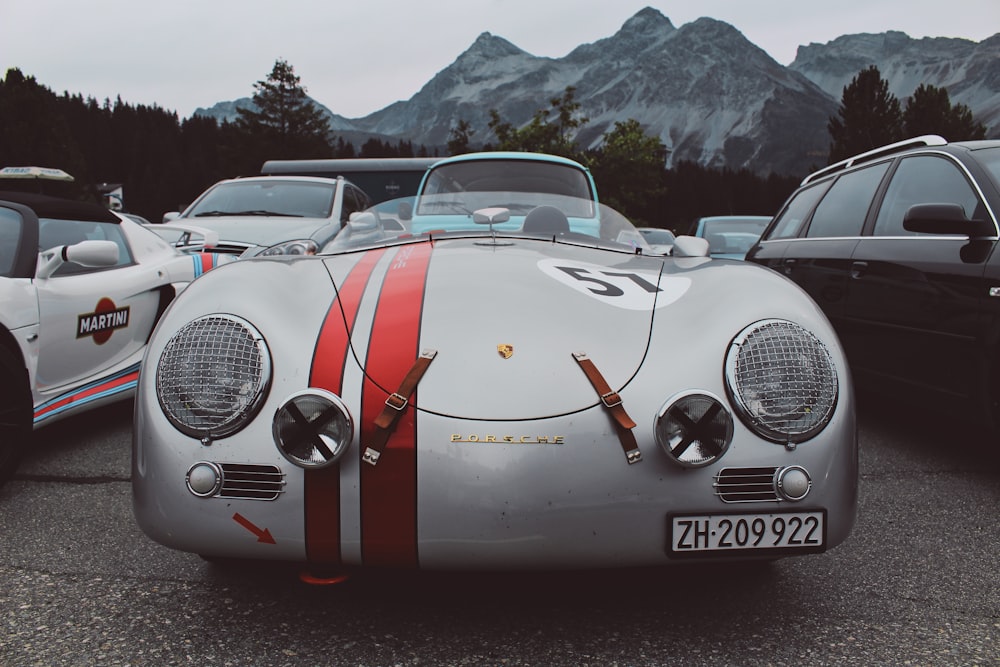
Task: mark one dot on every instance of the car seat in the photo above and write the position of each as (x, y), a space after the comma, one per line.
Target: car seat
(718, 243)
(545, 220)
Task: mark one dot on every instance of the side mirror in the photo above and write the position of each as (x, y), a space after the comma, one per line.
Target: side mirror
(171, 216)
(362, 221)
(85, 253)
(945, 219)
(690, 246)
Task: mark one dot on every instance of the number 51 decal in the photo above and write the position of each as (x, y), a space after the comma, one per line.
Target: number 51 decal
(633, 290)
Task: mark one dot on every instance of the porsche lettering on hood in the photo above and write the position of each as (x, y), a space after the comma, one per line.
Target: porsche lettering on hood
(550, 305)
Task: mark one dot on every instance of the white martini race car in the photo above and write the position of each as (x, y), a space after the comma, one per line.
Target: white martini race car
(513, 381)
(81, 288)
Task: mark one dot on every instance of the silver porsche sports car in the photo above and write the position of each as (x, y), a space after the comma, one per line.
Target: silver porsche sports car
(510, 387)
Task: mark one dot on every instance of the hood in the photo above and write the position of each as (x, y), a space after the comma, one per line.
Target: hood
(504, 319)
(260, 230)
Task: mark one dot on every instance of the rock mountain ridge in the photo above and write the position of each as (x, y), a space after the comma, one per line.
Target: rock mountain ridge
(708, 93)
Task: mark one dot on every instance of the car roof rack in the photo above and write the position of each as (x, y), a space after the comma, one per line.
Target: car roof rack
(899, 146)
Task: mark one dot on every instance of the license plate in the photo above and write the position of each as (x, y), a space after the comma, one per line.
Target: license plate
(788, 531)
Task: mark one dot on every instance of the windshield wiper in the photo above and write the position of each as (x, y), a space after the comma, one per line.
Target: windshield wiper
(261, 212)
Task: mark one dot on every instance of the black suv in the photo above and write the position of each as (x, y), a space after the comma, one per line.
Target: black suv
(898, 246)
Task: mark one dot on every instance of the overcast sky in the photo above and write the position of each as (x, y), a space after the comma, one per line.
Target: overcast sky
(360, 56)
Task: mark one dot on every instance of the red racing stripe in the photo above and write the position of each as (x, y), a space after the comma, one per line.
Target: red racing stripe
(322, 487)
(389, 490)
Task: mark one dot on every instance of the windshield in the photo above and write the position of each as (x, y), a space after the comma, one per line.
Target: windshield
(552, 218)
(270, 197)
(729, 225)
(517, 184)
(658, 236)
(732, 235)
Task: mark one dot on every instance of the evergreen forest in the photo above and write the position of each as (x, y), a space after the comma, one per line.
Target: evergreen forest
(163, 162)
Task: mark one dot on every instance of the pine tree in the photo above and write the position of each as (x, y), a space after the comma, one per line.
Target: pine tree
(629, 166)
(285, 124)
(460, 138)
(540, 135)
(869, 116)
(930, 111)
(35, 131)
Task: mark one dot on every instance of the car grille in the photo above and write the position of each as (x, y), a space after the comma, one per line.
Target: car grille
(746, 485)
(251, 482)
(229, 248)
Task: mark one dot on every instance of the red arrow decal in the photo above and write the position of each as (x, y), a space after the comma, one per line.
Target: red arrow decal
(262, 535)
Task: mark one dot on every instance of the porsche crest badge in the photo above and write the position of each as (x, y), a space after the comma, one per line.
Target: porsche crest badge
(505, 350)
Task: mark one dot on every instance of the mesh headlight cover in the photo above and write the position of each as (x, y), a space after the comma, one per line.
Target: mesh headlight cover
(782, 381)
(212, 376)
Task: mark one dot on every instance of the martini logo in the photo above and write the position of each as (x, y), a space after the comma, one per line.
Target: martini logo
(102, 322)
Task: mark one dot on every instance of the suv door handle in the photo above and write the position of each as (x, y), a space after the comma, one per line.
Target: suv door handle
(858, 269)
(787, 265)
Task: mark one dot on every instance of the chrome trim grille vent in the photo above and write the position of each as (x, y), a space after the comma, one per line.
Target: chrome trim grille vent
(746, 485)
(251, 481)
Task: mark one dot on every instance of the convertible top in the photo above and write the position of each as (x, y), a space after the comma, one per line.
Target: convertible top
(60, 209)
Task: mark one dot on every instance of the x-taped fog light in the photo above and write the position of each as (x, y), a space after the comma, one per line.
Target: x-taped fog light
(204, 479)
(792, 483)
(694, 430)
(313, 429)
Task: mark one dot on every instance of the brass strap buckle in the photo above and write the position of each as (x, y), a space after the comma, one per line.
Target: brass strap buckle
(395, 404)
(612, 401)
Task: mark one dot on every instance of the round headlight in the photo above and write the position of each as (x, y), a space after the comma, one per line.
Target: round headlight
(312, 429)
(304, 247)
(212, 376)
(782, 381)
(694, 429)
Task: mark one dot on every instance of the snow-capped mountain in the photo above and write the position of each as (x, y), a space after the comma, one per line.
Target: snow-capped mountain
(709, 94)
(969, 71)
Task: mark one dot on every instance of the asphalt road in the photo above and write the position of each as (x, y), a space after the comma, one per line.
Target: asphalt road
(918, 582)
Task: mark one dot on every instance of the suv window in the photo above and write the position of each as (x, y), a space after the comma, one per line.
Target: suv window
(923, 179)
(791, 218)
(990, 158)
(845, 207)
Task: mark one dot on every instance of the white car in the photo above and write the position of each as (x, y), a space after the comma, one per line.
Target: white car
(293, 215)
(81, 288)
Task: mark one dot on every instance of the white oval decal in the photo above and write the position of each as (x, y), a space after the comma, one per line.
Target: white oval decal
(633, 290)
